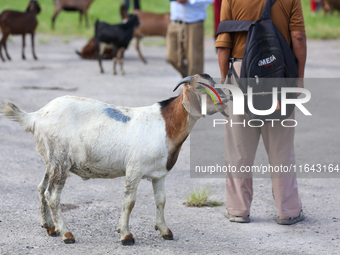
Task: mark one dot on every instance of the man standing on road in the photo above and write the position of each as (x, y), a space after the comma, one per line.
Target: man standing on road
(185, 36)
(241, 142)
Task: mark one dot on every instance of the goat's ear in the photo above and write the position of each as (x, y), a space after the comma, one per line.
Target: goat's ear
(123, 12)
(191, 102)
(38, 8)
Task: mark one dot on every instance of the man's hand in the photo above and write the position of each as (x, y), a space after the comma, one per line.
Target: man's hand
(223, 61)
(300, 52)
(182, 1)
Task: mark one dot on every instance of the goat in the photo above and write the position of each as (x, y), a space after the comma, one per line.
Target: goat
(89, 51)
(330, 5)
(72, 5)
(19, 23)
(151, 24)
(97, 140)
(117, 36)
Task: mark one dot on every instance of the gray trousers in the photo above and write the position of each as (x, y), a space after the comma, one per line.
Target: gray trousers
(240, 149)
(185, 47)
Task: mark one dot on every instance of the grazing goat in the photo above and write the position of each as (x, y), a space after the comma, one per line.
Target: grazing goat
(19, 23)
(89, 51)
(117, 37)
(331, 5)
(72, 5)
(151, 24)
(97, 140)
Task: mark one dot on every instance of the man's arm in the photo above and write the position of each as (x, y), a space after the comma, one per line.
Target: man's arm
(300, 51)
(223, 61)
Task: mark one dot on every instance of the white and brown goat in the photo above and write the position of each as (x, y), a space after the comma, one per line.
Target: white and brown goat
(76, 135)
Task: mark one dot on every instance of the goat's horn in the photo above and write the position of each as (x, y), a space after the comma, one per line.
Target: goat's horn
(184, 80)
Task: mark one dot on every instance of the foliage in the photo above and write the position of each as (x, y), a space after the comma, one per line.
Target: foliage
(318, 26)
(200, 198)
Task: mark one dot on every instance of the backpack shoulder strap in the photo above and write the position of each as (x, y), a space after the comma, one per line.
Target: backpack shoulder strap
(229, 26)
(266, 12)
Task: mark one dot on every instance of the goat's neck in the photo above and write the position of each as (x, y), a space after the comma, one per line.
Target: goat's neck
(178, 122)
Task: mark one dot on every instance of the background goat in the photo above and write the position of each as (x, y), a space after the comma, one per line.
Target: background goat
(150, 24)
(19, 23)
(96, 140)
(89, 51)
(331, 5)
(72, 5)
(117, 36)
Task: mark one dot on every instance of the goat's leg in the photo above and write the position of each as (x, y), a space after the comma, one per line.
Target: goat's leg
(100, 55)
(3, 43)
(159, 193)
(80, 17)
(130, 190)
(55, 16)
(52, 195)
(138, 50)
(114, 59)
(46, 218)
(120, 59)
(2, 58)
(23, 46)
(86, 19)
(33, 51)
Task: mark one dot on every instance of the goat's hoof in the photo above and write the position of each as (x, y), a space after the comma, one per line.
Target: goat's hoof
(128, 240)
(69, 238)
(169, 235)
(35, 58)
(23, 57)
(51, 232)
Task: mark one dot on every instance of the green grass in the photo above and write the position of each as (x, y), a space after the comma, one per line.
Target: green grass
(317, 26)
(67, 23)
(320, 26)
(200, 198)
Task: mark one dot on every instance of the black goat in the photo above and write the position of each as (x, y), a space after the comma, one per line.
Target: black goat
(19, 23)
(117, 37)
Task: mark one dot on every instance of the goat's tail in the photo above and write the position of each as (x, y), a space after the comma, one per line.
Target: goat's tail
(16, 114)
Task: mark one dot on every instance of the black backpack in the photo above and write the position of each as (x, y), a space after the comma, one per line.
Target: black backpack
(266, 55)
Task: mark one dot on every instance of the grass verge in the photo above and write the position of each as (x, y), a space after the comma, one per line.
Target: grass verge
(318, 26)
(200, 198)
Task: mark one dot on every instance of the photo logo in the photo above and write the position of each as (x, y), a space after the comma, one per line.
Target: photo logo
(238, 99)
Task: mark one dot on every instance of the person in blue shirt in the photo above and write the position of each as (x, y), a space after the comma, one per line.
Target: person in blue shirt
(136, 5)
(185, 35)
